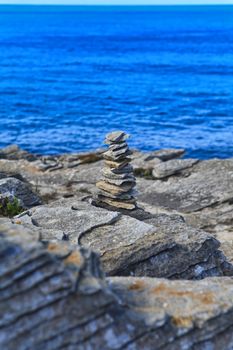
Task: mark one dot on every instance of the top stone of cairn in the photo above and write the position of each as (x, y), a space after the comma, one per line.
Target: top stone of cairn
(116, 137)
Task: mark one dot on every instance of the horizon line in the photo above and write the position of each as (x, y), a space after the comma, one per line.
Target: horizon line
(119, 5)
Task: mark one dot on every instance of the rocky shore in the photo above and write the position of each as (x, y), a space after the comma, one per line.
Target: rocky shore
(78, 275)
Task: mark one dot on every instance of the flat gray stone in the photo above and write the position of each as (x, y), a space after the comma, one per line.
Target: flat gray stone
(172, 167)
(116, 136)
(168, 154)
(209, 183)
(72, 222)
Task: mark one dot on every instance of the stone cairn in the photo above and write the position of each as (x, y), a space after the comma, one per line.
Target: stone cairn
(116, 187)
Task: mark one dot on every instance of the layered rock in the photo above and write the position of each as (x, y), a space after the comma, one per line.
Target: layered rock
(202, 194)
(172, 167)
(142, 245)
(116, 186)
(14, 152)
(54, 296)
(12, 188)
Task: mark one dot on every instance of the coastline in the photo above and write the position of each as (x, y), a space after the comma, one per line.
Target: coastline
(163, 268)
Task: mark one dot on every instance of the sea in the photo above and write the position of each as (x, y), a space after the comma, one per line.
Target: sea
(71, 74)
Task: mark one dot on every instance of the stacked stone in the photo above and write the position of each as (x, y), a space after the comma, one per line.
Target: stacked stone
(116, 188)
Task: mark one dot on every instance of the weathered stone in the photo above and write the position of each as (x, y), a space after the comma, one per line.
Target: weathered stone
(172, 167)
(115, 189)
(117, 156)
(72, 221)
(201, 194)
(121, 196)
(128, 169)
(209, 183)
(169, 248)
(70, 161)
(117, 146)
(116, 137)
(144, 164)
(13, 188)
(114, 153)
(117, 165)
(168, 154)
(119, 182)
(161, 246)
(192, 310)
(204, 198)
(128, 204)
(54, 296)
(14, 152)
(110, 175)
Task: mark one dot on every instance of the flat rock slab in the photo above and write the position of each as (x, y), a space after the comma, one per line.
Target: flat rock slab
(195, 308)
(72, 221)
(210, 183)
(160, 246)
(57, 296)
(169, 153)
(172, 167)
(116, 136)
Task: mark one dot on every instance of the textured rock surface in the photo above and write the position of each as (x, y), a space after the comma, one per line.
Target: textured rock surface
(53, 296)
(172, 167)
(192, 311)
(14, 188)
(13, 152)
(209, 183)
(168, 154)
(160, 246)
(203, 196)
(52, 292)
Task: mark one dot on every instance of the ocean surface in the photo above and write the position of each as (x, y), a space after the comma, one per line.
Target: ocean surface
(69, 75)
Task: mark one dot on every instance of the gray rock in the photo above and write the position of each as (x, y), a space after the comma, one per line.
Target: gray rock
(55, 296)
(209, 183)
(117, 155)
(201, 194)
(192, 309)
(14, 188)
(144, 163)
(159, 246)
(14, 152)
(119, 182)
(172, 167)
(112, 175)
(72, 221)
(118, 146)
(204, 198)
(165, 248)
(116, 137)
(168, 154)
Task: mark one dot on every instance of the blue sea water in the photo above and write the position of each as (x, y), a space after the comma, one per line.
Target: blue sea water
(68, 75)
